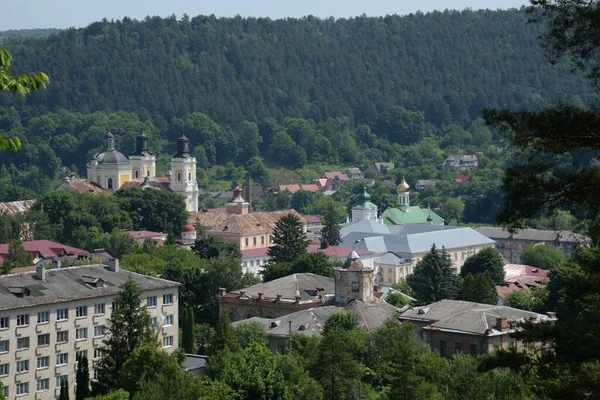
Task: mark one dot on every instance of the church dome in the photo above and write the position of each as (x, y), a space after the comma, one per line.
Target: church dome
(111, 157)
(189, 228)
(403, 187)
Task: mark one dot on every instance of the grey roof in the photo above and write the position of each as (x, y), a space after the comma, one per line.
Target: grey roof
(67, 284)
(194, 361)
(391, 259)
(409, 239)
(533, 234)
(467, 317)
(290, 286)
(111, 156)
(354, 171)
(426, 182)
(311, 322)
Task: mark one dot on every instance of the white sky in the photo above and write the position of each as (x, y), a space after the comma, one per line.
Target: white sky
(27, 14)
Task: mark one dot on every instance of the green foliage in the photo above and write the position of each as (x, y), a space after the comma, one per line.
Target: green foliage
(250, 332)
(276, 270)
(118, 394)
(82, 379)
(64, 389)
(188, 336)
(224, 337)
(208, 247)
(17, 257)
(314, 263)
(487, 259)
(342, 320)
(542, 256)
(331, 225)
(289, 240)
(479, 288)
(401, 126)
(433, 278)
(396, 299)
(530, 300)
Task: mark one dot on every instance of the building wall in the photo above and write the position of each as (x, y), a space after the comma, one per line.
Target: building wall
(254, 265)
(512, 248)
(458, 256)
(352, 284)
(70, 347)
(240, 309)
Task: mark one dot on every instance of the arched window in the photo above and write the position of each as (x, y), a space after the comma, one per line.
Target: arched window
(179, 177)
(148, 172)
(189, 176)
(137, 173)
(109, 183)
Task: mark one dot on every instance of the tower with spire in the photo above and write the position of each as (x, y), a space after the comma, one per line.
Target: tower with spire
(364, 210)
(183, 170)
(143, 162)
(403, 196)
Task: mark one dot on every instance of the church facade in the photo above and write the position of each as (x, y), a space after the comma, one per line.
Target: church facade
(111, 170)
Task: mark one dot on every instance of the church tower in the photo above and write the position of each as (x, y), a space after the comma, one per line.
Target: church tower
(109, 169)
(365, 210)
(183, 170)
(143, 163)
(354, 281)
(403, 196)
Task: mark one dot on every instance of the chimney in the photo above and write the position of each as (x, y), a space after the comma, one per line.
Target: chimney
(279, 296)
(502, 324)
(260, 295)
(242, 293)
(324, 244)
(55, 264)
(248, 192)
(40, 273)
(113, 264)
(298, 298)
(222, 291)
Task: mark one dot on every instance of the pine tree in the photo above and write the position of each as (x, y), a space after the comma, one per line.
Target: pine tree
(224, 338)
(289, 239)
(331, 228)
(82, 379)
(129, 327)
(64, 389)
(188, 337)
(433, 278)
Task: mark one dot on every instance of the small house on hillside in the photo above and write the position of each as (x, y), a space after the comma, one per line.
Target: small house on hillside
(354, 173)
(458, 161)
(381, 167)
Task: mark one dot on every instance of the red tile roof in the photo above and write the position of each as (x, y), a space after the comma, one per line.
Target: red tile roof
(462, 178)
(312, 219)
(260, 222)
(336, 174)
(255, 252)
(296, 187)
(144, 234)
(83, 186)
(16, 207)
(335, 251)
(45, 249)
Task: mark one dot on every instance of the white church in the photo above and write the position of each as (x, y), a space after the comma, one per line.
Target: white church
(110, 170)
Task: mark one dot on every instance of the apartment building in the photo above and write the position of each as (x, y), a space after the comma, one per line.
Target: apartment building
(49, 317)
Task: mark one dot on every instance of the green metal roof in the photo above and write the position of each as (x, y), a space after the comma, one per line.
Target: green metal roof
(414, 215)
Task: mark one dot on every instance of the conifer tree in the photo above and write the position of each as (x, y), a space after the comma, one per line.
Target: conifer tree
(224, 338)
(64, 389)
(479, 288)
(188, 337)
(331, 228)
(82, 379)
(289, 239)
(433, 278)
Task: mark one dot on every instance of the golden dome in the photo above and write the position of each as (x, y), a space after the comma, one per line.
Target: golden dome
(403, 187)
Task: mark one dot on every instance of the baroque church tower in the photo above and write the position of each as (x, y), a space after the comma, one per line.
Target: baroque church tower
(183, 174)
(143, 162)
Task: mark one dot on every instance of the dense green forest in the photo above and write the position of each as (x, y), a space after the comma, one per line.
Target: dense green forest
(27, 33)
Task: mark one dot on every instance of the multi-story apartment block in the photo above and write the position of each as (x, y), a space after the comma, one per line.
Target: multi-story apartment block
(49, 317)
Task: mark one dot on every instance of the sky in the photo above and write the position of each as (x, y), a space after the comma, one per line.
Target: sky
(29, 14)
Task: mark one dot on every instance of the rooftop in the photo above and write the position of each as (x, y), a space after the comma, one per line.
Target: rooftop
(306, 285)
(45, 249)
(68, 284)
(16, 207)
(533, 235)
(260, 222)
(293, 188)
(414, 215)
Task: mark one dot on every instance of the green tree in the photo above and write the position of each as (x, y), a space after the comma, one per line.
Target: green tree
(401, 126)
(331, 225)
(118, 394)
(487, 259)
(224, 338)
(208, 247)
(542, 256)
(129, 327)
(250, 332)
(301, 200)
(453, 209)
(530, 300)
(396, 299)
(22, 85)
(479, 288)
(433, 278)
(289, 240)
(17, 257)
(188, 335)
(314, 263)
(82, 379)
(64, 389)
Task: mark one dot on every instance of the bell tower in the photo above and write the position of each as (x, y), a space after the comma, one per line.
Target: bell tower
(403, 196)
(143, 162)
(183, 178)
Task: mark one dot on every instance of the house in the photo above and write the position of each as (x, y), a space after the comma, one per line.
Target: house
(293, 188)
(462, 178)
(423, 183)
(82, 186)
(511, 244)
(354, 292)
(50, 317)
(313, 220)
(323, 184)
(141, 236)
(460, 161)
(354, 173)
(410, 243)
(382, 167)
(520, 278)
(47, 250)
(16, 207)
(454, 327)
(340, 253)
(406, 214)
(338, 178)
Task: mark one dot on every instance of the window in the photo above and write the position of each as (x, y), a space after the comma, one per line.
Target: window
(23, 320)
(4, 346)
(458, 348)
(99, 309)
(99, 331)
(155, 322)
(22, 366)
(151, 301)
(81, 312)
(22, 389)
(189, 176)
(179, 177)
(254, 240)
(62, 314)
(23, 343)
(43, 384)
(95, 374)
(81, 334)
(5, 391)
(44, 340)
(98, 353)
(389, 270)
(109, 183)
(62, 336)
(62, 359)
(80, 353)
(252, 263)
(473, 349)
(60, 379)
(4, 323)
(355, 286)
(137, 173)
(43, 362)
(167, 299)
(113, 305)
(262, 240)
(168, 341)
(442, 348)
(3, 369)
(168, 320)
(247, 242)
(43, 317)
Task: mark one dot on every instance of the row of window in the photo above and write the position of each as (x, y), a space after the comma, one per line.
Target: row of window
(62, 314)
(458, 348)
(258, 263)
(42, 385)
(61, 337)
(262, 240)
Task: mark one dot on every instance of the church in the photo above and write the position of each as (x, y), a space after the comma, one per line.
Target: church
(406, 214)
(110, 170)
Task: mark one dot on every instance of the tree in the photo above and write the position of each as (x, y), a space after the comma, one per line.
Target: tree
(401, 126)
(396, 299)
(301, 200)
(315, 263)
(118, 394)
(17, 257)
(64, 389)
(22, 85)
(276, 270)
(208, 247)
(433, 278)
(224, 338)
(479, 288)
(250, 332)
(289, 239)
(542, 256)
(453, 209)
(129, 327)
(188, 335)
(487, 259)
(331, 225)
(82, 379)
(530, 300)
